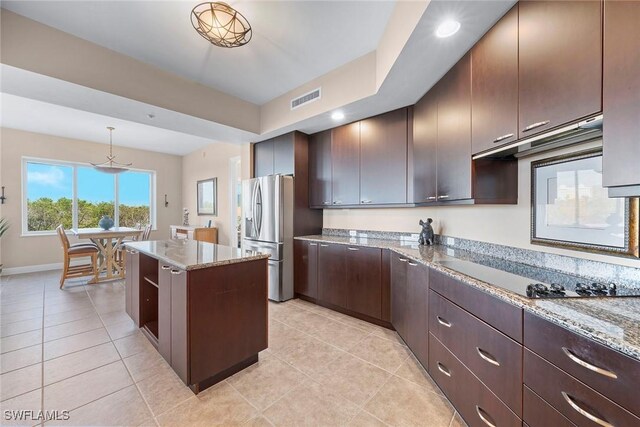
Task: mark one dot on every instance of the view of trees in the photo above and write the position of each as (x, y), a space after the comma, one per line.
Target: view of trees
(45, 214)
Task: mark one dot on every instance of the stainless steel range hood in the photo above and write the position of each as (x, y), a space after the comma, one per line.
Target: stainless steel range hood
(561, 137)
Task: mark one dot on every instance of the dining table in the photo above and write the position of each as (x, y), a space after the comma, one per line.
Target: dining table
(108, 242)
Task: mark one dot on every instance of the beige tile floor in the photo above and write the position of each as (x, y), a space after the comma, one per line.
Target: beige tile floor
(77, 350)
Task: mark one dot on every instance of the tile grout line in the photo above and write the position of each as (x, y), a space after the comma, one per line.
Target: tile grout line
(42, 356)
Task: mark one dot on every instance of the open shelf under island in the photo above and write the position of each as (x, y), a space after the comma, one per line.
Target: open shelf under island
(203, 306)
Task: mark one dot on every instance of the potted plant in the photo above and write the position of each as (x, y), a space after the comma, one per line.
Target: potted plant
(4, 225)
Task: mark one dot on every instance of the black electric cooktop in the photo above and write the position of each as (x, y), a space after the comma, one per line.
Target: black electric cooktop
(541, 283)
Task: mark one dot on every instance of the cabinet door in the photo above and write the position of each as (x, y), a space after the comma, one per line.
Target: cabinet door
(454, 132)
(560, 63)
(164, 311)
(621, 93)
(305, 268)
(417, 306)
(263, 158)
(425, 147)
(283, 154)
(345, 155)
(383, 158)
(364, 280)
(494, 82)
(399, 294)
(332, 273)
(320, 169)
(132, 286)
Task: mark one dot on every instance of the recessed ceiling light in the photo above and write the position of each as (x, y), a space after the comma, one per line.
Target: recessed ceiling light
(447, 28)
(337, 115)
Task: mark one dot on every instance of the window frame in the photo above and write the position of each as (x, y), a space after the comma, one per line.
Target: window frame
(74, 192)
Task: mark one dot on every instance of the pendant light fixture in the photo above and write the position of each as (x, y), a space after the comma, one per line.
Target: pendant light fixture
(221, 24)
(111, 166)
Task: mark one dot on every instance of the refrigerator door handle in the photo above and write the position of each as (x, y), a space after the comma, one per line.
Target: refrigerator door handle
(258, 208)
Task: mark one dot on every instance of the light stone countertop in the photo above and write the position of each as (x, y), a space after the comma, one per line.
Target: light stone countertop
(192, 255)
(613, 322)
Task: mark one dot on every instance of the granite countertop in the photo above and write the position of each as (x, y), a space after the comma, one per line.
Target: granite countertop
(192, 255)
(614, 322)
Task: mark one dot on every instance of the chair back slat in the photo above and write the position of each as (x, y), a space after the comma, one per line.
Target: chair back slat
(64, 240)
(146, 233)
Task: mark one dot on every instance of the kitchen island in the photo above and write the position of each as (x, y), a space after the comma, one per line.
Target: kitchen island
(203, 306)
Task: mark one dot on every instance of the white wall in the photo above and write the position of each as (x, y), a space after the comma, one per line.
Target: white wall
(19, 251)
(501, 224)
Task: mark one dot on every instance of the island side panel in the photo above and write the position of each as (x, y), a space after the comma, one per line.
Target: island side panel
(227, 308)
(132, 286)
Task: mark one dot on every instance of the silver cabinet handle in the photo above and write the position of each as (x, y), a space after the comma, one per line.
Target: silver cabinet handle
(445, 196)
(337, 202)
(484, 416)
(326, 203)
(502, 138)
(443, 322)
(588, 365)
(175, 271)
(413, 264)
(431, 198)
(443, 369)
(322, 245)
(165, 267)
(535, 126)
(402, 259)
(353, 249)
(581, 411)
(365, 201)
(487, 357)
(313, 244)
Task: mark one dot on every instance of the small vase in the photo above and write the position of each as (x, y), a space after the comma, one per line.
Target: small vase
(105, 222)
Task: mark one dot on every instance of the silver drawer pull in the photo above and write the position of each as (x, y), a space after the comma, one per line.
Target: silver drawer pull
(484, 416)
(353, 249)
(581, 411)
(402, 259)
(588, 365)
(413, 264)
(326, 203)
(431, 198)
(165, 267)
(444, 196)
(313, 244)
(365, 201)
(443, 369)
(443, 322)
(502, 138)
(337, 202)
(176, 272)
(535, 125)
(486, 356)
(322, 245)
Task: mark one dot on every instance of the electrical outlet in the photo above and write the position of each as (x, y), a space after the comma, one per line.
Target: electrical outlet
(451, 241)
(451, 252)
(353, 233)
(363, 235)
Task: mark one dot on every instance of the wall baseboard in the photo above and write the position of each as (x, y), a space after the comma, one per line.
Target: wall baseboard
(31, 269)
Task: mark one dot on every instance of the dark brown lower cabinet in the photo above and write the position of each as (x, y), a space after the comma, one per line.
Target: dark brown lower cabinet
(305, 268)
(471, 398)
(332, 274)
(538, 413)
(409, 305)
(364, 280)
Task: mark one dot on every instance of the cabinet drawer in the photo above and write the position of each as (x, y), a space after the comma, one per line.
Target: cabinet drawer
(503, 316)
(475, 402)
(538, 413)
(607, 371)
(492, 356)
(581, 404)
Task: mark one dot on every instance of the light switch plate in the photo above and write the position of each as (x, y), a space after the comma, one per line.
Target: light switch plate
(451, 252)
(451, 241)
(363, 235)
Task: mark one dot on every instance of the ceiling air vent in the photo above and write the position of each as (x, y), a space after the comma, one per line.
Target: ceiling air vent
(308, 97)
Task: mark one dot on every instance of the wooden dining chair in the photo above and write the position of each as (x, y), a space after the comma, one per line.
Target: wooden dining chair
(75, 251)
(121, 257)
(146, 233)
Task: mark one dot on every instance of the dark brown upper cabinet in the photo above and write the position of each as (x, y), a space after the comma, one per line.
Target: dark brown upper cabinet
(263, 158)
(621, 98)
(383, 159)
(454, 132)
(423, 151)
(320, 175)
(345, 156)
(494, 85)
(275, 156)
(560, 63)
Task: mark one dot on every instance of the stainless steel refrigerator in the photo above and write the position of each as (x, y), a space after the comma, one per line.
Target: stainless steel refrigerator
(267, 226)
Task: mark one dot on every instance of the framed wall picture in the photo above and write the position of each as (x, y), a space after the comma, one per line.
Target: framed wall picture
(571, 209)
(207, 197)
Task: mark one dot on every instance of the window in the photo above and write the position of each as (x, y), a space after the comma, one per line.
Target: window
(77, 196)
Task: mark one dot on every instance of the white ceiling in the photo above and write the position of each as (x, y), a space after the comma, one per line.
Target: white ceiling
(293, 41)
(41, 117)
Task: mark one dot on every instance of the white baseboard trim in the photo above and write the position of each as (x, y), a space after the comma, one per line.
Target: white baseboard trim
(31, 269)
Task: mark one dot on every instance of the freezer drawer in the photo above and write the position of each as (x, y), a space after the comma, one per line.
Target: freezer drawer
(280, 281)
(275, 250)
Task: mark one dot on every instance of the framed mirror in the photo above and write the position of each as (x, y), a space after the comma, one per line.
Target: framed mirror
(207, 197)
(571, 209)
